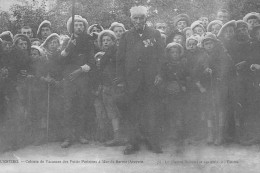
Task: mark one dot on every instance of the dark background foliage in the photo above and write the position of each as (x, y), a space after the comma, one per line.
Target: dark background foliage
(104, 12)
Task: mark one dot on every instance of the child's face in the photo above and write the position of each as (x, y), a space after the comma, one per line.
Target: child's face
(107, 42)
(22, 44)
(209, 45)
(36, 43)
(192, 45)
(205, 21)
(242, 33)
(188, 33)
(198, 30)
(252, 23)
(35, 54)
(178, 39)
(53, 45)
(229, 33)
(174, 54)
(181, 25)
(118, 31)
(215, 29)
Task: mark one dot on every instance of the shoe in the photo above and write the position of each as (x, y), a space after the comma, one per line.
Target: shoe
(66, 144)
(155, 148)
(114, 143)
(83, 140)
(131, 149)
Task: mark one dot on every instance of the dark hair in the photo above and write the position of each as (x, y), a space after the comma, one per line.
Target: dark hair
(97, 26)
(173, 34)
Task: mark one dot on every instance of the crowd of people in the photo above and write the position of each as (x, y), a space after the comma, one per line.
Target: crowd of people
(198, 81)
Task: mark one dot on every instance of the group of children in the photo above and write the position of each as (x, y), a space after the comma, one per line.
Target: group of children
(208, 85)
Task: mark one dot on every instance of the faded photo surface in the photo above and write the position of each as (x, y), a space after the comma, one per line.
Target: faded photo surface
(129, 86)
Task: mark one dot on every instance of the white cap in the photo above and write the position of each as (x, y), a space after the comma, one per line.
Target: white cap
(141, 10)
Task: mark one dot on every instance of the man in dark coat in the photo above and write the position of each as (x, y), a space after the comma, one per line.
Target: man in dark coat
(79, 68)
(138, 63)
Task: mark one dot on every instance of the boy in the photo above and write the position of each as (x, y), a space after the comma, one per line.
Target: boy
(107, 43)
(219, 66)
(173, 87)
(214, 26)
(195, 111)
(181, 21)
(52, 80)
(197, 28)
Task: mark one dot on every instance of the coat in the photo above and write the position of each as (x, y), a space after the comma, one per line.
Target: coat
(139, 58)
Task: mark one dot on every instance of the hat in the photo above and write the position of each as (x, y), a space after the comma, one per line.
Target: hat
(44, 23)
(18, 36)
(241, 23)
(175, 45)
(76, 18)
(39, 49)
(231, 23)
(214, 22)
(193, 37)
(99, 54)
(7, 36)
(197, 23)
(141, 10)
(253, 32)
(102, 33)
(182, 17)
(94, 25)
(251, 15)
(53, 35)
(209, 36)
(116, 24)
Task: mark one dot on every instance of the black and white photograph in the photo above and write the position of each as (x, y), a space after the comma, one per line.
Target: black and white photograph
(130, 86)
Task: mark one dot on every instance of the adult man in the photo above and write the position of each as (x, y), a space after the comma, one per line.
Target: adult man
(138, 60)
(223, 16)
(27, 30)
(44, 30)
(79, 63)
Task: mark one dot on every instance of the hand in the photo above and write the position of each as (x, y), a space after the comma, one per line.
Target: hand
(208, 70)
(85, 68)
(202, 89)
(75, 74)
(158, 80)
(255, 67)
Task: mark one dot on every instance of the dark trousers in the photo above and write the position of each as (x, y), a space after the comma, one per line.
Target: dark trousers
(79, 111)
(144, 116)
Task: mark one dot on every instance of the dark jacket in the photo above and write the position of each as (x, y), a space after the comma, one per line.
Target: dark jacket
(139, 58)
(108, 66)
